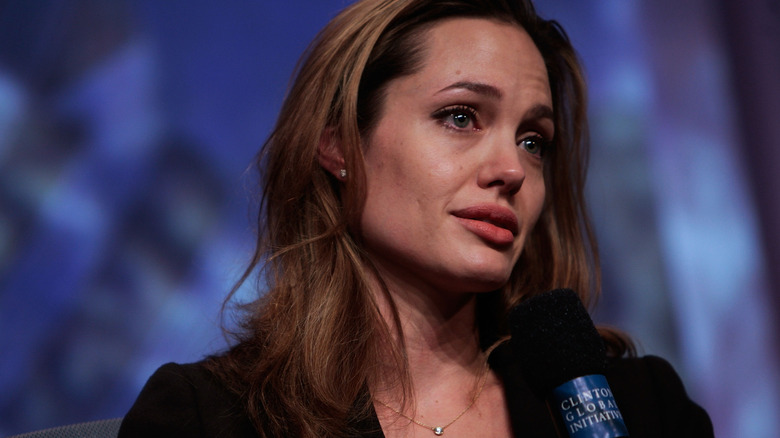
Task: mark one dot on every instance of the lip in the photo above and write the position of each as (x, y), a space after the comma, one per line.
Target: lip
(493, 223)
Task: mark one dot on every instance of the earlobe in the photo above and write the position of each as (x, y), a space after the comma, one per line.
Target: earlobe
(330, 155)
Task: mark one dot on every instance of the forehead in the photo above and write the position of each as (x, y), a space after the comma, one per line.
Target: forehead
(481, 50)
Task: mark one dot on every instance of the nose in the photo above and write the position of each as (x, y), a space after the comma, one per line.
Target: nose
(503, 168)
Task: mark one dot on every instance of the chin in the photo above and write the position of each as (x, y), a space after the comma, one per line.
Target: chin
(493, 272)
(483, 281)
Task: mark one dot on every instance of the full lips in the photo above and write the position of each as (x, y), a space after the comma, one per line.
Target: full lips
(494, 224)
(489, 232)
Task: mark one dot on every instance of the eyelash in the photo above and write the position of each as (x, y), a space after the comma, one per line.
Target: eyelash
(443, 116)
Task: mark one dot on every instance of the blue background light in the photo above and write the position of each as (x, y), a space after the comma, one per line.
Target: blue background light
(127, 128)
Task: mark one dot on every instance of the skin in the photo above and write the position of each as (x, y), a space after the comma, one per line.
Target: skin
(462, 134)
(425, 160)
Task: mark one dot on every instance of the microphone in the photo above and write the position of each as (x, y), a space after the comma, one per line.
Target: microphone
(563, 359)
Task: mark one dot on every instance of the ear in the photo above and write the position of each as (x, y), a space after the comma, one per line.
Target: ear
(329, 154)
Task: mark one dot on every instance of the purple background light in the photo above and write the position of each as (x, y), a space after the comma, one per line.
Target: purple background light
(127, 126)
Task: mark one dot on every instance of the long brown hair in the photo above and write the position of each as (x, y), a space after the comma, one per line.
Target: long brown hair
(311, 342)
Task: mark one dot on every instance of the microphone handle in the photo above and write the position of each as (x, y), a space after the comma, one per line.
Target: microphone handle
(585, 408)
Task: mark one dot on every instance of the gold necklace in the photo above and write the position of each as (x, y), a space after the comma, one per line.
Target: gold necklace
(439, 430)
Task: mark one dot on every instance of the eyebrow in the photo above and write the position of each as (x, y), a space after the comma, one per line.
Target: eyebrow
(539, 111)
(476, 87)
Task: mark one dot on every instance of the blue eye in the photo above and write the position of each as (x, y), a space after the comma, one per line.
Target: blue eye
(534, 145)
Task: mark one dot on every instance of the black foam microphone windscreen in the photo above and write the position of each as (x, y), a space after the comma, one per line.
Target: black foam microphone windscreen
(563, 359)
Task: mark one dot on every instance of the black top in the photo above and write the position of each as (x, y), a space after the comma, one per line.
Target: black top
(188, 401)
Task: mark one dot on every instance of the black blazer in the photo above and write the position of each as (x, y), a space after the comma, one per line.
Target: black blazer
(188, 401)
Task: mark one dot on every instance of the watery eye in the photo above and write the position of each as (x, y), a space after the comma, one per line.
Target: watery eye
(534, 145)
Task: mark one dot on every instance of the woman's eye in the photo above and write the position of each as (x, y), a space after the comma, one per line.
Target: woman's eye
(461, 120)
(458, 117)
(534, 145)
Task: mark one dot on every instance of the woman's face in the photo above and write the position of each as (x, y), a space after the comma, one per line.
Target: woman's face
(454, 163)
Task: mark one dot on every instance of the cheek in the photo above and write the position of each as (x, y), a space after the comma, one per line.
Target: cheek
(541, 195)
(417, 173)
(535, 201)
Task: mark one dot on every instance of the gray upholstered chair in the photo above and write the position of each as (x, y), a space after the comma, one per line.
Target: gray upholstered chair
(92, 429)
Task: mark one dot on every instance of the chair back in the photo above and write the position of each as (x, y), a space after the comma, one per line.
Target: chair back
(91, 429)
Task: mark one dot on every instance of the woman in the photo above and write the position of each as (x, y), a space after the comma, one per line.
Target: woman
(425, 175)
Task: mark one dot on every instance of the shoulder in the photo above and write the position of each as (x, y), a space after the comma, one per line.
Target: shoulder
(185, 400)
(652, 398)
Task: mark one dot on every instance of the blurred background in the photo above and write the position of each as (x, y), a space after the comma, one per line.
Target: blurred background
(127, 128)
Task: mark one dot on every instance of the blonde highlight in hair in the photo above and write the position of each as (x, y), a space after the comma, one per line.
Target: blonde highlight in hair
(308, 347)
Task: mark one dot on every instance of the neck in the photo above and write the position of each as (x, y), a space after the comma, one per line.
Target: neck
(439, 334)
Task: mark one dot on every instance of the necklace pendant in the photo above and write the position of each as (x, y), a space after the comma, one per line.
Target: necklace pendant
(438, 430)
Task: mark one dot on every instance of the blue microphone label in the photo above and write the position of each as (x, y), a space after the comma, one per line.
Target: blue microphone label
(588, 408)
